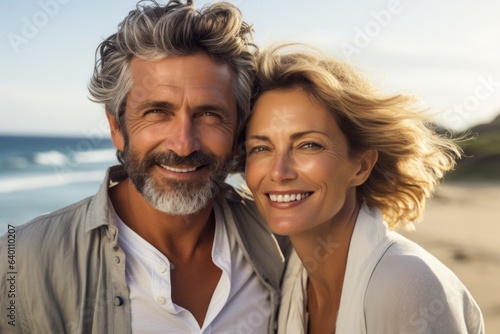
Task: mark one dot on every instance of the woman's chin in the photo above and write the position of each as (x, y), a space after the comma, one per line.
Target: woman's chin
(285, 227)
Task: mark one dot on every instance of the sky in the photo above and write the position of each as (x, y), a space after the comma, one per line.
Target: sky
(447, 53)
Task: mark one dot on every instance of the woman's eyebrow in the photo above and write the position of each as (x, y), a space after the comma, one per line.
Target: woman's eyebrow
(293, 136)
(305, 133)
(259, 137)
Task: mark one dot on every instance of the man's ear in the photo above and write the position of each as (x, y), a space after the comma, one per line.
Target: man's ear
(116, 133)
(365, 163)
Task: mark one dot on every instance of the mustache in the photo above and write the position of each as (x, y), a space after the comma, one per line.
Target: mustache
(172, 159)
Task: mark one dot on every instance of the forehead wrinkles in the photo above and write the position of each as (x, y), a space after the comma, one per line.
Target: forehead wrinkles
(272, 119)
(194, 94)
(282, 117)
(193, 71)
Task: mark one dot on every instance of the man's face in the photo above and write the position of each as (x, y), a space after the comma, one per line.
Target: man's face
(178, 131)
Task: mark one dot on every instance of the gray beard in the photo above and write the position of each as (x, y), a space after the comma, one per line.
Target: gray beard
(180, 198)
(182, 201)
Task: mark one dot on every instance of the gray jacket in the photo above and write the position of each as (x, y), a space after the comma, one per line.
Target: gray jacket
(64, 272)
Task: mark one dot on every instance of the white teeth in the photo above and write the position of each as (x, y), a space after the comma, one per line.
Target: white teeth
(287, 198)
(179, 170)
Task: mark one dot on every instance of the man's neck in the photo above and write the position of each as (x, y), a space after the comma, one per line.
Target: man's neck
(177, 237)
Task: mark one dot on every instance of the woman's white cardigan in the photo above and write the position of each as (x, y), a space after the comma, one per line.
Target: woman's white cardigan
(391, 285)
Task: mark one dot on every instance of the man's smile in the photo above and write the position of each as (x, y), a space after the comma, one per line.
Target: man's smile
(179, 170)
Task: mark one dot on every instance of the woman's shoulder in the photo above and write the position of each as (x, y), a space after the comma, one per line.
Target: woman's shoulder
(414, 291)
(408, 269)
(406, 259)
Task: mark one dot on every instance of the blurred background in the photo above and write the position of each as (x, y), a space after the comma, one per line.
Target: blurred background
(54, 142)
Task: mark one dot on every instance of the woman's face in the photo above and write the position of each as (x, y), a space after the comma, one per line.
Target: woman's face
(298, 166)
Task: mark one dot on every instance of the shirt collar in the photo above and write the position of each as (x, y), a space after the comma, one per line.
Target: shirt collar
(221, 250)
(99, 213)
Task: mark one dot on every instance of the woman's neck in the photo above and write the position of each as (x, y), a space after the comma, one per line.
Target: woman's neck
(323, 252)
(324, 249)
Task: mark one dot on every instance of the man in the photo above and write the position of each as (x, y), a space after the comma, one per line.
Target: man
(163, 246)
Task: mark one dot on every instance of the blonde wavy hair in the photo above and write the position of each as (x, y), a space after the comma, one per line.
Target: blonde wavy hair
(153, 31)
(412, 157)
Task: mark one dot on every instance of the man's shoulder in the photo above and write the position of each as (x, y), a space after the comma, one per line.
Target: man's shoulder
(241, 203)
(54, 257)
(53, 227)
(251, 225)
(241, 211)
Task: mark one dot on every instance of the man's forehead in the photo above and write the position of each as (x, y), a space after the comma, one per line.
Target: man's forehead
(197, 70)
(196, 79)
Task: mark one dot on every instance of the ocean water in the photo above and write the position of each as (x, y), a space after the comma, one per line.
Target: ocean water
(42, 174)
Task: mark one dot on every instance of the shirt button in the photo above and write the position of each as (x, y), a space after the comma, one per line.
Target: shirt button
(161, 300)
(118, 301)
(162, 269)
(117, 259)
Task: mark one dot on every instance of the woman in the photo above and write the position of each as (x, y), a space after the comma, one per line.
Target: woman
(336, 166)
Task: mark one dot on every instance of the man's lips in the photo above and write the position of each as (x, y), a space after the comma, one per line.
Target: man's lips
(179, 169)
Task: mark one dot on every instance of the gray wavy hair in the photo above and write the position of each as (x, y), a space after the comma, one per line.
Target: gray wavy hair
(153, 32)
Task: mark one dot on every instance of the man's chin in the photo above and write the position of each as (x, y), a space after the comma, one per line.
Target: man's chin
(182, 198)
(179, 206)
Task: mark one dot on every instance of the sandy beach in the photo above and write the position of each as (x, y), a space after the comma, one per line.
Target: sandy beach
(461, 227)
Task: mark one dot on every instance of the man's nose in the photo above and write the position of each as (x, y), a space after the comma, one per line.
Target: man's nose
(184, 137)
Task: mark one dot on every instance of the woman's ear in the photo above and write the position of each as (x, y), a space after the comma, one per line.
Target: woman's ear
(116, 132)
(365, 163)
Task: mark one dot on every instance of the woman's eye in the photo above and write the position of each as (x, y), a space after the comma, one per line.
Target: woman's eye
(256, 149)
(310, 145)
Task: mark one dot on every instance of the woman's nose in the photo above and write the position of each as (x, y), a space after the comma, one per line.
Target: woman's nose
(283, 168)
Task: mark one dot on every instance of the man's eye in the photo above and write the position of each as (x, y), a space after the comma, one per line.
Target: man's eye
(209, 118)
(154, 111)
(210, 114)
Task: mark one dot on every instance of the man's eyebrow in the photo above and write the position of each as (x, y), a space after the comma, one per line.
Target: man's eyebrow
(155, 105)
(164, 105)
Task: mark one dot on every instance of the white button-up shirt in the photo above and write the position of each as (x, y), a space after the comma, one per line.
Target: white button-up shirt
(239, 304)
